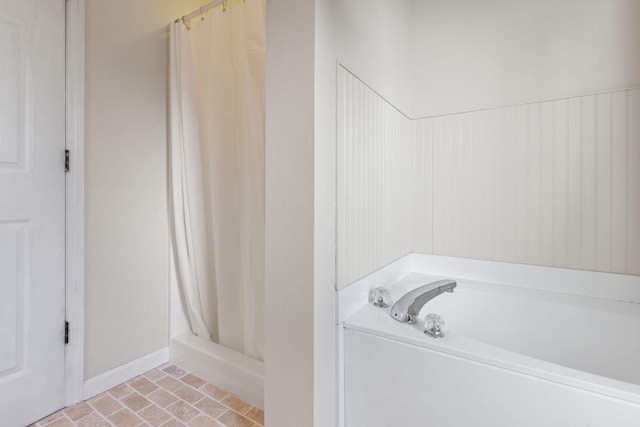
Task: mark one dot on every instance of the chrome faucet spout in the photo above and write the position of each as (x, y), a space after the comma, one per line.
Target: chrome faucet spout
(407, 308)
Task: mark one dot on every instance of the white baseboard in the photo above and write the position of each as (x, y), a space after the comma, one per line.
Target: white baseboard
(221, 366)
(105, 381)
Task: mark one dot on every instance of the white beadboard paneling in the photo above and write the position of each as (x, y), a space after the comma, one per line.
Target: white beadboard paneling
(521, 176)
(533, 191)
(437, 232)
(574, 211)
(442, 186)
(619, 182)
(375, 210)
(512, 190)
(588, 206)
(546, 183)
(500, 178)
(560, 219)
(422, 188)
(553, 183)
(633, 179)
(603, 182)
(464, 173)
(342, 212)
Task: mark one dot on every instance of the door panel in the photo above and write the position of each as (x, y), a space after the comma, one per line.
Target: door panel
(12, 285)
(12, 87)
(32, 209)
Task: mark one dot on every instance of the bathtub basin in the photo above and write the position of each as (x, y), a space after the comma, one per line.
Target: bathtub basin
(512, 356)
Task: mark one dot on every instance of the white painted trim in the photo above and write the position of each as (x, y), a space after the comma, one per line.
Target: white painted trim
(340, 394)
(230, 370)
(74, 351)
(105, 381)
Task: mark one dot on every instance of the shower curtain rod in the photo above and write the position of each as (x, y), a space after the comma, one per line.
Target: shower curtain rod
(202, 10)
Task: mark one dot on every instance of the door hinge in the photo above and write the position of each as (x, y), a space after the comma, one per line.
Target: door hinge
(66, 160)
(66, 332)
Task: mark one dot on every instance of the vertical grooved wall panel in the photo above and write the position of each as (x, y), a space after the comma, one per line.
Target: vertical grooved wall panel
(376, 219)
(574, 195)
(546, 182)
(633, 179)
(552, 183)
(619, 182)
(603, 182)
(588, 182)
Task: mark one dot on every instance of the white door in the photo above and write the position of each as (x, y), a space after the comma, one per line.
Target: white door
(32, 209)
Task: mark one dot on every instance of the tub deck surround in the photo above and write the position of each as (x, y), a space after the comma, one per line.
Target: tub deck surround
(566, 333)
(607, 286)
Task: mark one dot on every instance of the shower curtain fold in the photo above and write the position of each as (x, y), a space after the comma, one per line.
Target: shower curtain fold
(217, 173)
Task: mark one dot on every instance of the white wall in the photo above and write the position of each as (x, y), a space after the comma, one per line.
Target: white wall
(472, 55)
(373, 39)
(289, 214)
(127, 270)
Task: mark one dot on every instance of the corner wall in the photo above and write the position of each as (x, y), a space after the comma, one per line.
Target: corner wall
(126, 225)
(302, 55)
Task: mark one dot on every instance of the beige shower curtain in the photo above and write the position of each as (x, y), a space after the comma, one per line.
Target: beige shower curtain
(217, 173)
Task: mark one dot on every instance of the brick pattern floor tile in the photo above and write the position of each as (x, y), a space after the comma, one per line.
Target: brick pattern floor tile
(78, 411)
(192, 380)
(167, 396)
(169, 383)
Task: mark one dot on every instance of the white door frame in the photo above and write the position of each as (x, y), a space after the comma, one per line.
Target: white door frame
(74, 351)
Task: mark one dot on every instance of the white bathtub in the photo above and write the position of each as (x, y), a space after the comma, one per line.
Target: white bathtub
(514, 354)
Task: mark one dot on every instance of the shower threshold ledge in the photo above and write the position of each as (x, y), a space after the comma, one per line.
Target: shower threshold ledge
(225, 368)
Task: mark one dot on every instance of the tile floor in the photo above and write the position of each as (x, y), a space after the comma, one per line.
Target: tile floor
(167, 396)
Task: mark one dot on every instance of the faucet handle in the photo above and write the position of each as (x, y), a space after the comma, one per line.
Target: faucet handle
(433, 324)
(379, 297)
